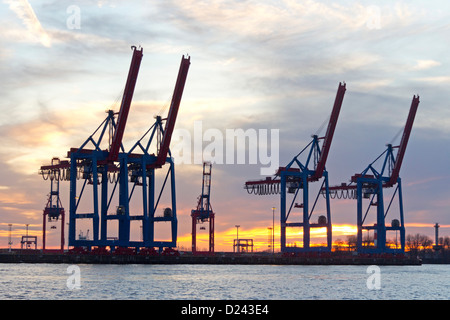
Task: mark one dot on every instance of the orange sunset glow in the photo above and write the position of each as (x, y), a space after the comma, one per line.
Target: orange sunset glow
(262, 237)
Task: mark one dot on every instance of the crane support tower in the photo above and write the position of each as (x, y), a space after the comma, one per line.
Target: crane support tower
(204, 212)
(142, 166)
(114, 174)
(91, 166)
(370, 185)
(54, 210)
(296, 176)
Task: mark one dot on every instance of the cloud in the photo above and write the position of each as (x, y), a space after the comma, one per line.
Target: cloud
(426, 64)
(50, 133)
(25, 12)
(274, 21)
(435, 79)
(425, 225)
(426, 181)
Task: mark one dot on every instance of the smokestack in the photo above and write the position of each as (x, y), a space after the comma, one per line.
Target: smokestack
(436, 227)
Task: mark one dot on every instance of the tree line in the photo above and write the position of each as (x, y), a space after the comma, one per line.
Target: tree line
(413, 243)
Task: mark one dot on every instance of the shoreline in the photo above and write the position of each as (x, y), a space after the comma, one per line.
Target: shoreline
(37, 256)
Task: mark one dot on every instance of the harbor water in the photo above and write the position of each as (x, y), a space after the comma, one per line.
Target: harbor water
(222, 282)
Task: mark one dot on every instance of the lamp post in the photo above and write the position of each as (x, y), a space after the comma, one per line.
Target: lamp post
(10, 238)
(67, 237)
(273, 230)
(27, 244)
(237, 237)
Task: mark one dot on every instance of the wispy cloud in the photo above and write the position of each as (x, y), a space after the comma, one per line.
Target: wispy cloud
(425, 225)
(25, 12)
(426, 181)
(435, 79)
(426, 64)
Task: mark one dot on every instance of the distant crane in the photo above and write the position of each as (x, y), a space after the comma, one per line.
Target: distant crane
(370, 184)
(296, 176)
(204, 212)
(54, 210)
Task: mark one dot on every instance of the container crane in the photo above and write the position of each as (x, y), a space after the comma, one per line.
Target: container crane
(142, 166)
(296, 176)
(54, 210)
(204, 212)
(99, 164)
(95, 167)
(370, 184)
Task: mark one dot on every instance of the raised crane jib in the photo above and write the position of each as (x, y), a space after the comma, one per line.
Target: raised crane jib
(404, 141)
(330, 132)
(126, 102)
(173, 111)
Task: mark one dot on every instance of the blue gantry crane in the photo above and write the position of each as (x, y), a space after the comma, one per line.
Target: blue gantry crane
(370, 185)
(142, 166)
(92, 166)
(98, 166)
(297, 176)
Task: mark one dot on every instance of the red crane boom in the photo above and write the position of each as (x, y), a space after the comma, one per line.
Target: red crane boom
(173, 111)
(126, 103)
(271, 185)
(330, 132)
(404, 141)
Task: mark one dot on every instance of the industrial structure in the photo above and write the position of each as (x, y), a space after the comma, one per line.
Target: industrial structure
(105, 178)
(436, 236)
(204, 212)
(53, 210)
(28, 241)
(243, 245)
(106, 168)
(371, 184)
(297, 176)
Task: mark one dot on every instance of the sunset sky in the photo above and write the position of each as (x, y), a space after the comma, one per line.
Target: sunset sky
(269, 65)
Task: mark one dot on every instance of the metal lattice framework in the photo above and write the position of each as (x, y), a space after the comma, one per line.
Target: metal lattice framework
(204, 212)
(53, 210)
(109, 170)
(370, 186)
(296, 176)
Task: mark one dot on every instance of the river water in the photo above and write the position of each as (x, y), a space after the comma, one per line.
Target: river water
(222, 282)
